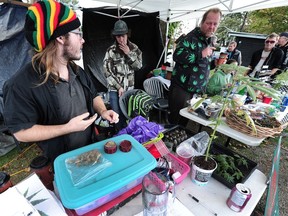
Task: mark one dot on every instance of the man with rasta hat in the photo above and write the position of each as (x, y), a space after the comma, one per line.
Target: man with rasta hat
(120, 62)
(52, 101)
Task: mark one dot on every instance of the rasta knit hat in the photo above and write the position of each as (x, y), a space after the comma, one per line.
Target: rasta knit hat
(46, 20)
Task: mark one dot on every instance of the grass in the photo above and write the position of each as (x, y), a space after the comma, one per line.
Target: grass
(16, 162)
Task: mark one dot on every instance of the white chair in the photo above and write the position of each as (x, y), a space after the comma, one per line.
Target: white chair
(157, 90)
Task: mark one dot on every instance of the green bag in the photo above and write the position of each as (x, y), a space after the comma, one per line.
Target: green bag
(140, 103)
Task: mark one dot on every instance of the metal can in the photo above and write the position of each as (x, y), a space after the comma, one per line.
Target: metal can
(285, 100)
(239, 197)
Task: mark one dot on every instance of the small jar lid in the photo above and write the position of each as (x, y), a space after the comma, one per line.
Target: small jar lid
(4, 177)
(125, 146)
(39, 162)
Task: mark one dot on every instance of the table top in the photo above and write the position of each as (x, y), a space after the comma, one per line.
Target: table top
(224, 129)
(212, 196)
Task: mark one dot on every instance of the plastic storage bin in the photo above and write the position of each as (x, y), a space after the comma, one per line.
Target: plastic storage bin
(126, 171)
(107, 198)
(178, 166)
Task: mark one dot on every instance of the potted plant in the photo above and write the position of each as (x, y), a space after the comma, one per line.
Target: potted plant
(240, 83)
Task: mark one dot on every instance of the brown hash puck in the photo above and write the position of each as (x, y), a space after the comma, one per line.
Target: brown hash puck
(125, 146)
(110, 147)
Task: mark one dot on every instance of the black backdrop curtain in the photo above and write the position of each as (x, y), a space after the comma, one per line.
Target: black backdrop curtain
(144, 31)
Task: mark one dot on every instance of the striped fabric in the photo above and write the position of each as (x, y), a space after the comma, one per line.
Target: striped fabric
(46, 20)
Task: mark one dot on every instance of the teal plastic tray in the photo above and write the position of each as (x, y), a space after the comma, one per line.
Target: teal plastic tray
(126, 167)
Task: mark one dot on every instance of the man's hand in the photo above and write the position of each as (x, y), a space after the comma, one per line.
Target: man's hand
(124, 48)
(208, 51)
(111, 116)
(81, 122)
(120, 92)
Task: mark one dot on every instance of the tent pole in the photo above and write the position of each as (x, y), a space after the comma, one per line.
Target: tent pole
(167, 41)
(164, 51)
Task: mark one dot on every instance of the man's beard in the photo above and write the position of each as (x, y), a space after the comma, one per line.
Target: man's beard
(68, 54)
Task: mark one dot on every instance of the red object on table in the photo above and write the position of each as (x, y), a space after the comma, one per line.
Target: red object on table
(267, 99)
(108, 205)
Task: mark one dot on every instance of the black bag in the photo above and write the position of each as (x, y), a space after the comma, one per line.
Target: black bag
(104, 129)
(140, 103)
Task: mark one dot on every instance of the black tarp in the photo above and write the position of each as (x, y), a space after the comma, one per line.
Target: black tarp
(14, 48)
(14, 53)
(144, 30)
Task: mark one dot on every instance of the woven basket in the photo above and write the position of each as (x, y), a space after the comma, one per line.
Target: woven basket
(240, 124)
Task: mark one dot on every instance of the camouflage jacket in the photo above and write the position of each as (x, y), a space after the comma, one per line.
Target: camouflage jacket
(119, 68)
(191, 71)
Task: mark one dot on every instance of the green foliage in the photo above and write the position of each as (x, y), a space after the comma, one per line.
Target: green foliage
(227, 167)
(230, 22)
(247, 83)
(270, 20)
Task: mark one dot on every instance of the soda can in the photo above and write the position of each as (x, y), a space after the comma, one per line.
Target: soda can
(285, 100)
(239, 197)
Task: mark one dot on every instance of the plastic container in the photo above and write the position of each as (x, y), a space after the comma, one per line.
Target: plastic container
(178, 166)
(107, 198)
(185, 152)
(126, 171)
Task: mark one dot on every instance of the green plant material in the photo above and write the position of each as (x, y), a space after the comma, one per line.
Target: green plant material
(229, 178)
(245, 82)
(198, 103)
(251, 92)
(241, 161)
(238, 175)
(227, 166)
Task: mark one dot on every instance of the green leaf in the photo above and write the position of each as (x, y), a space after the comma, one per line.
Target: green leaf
(269, 91)
(198, 103)
(251, 92)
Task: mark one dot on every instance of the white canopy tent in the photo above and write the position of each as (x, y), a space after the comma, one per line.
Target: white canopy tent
(179, 10)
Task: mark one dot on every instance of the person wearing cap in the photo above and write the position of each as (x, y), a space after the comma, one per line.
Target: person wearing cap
(283, 45)
(52, 101)
(269, 58)
(121, 60)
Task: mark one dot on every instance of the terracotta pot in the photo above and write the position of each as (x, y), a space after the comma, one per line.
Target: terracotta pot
(202, 170)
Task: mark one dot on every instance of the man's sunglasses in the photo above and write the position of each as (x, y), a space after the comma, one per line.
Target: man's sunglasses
(271, 42)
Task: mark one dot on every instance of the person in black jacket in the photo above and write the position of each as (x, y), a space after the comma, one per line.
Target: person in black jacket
(283, 45)
(193, 57)
(234, 53)
(52, 101)
(269, 58)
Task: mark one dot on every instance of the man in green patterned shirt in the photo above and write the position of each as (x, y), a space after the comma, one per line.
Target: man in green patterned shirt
(193, 57)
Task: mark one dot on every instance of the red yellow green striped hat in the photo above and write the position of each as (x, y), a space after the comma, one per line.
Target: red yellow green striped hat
(46, 20)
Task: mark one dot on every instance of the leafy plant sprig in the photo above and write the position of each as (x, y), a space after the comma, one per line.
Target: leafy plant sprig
(240, 82)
